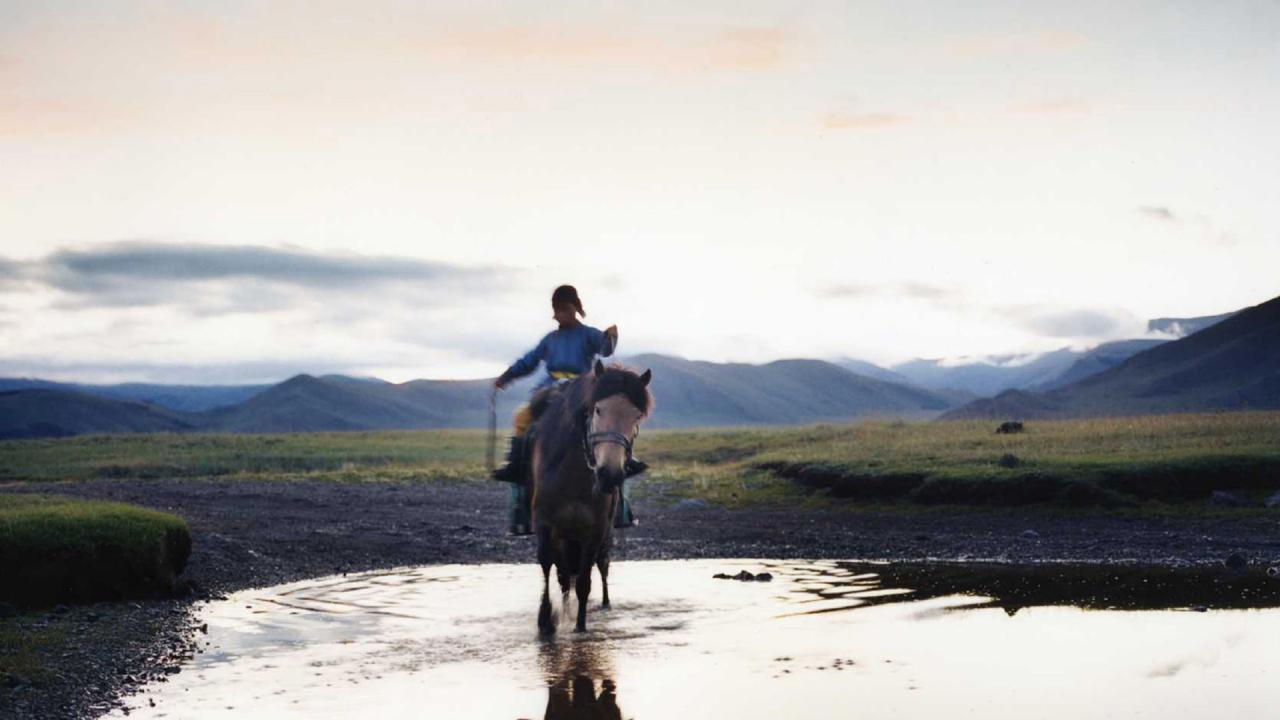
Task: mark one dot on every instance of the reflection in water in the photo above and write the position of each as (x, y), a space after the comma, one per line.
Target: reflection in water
(838, 586)
(572, 672)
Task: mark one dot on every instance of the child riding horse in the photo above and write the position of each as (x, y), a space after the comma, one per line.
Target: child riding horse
(567, 352)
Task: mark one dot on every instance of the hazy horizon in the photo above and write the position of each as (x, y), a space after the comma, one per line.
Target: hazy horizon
(243, 191)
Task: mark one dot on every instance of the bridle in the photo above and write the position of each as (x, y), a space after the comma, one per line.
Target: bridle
(591, 439)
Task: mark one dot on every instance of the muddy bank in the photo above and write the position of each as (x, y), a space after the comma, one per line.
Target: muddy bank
(252, 534)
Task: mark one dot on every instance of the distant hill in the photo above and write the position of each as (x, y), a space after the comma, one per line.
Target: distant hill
(1102, 357)
(689, 394)
(58, 413)
(988, 375)
(1182, 327)
(871, 370)
(993, 374)
(185, 398)
(1231, 365)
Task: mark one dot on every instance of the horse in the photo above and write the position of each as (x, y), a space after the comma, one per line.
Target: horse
(583, 438)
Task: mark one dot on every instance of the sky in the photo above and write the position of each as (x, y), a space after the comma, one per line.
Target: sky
(239, 191)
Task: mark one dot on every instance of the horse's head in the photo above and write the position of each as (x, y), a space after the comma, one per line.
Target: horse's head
(619, 401)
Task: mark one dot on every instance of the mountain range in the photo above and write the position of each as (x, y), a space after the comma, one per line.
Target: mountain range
(1233, 364)
(1229, 363)
(689, 393)
(993, 374)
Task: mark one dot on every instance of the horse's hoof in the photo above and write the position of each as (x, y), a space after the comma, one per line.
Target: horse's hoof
(580, 629)
(605, 605)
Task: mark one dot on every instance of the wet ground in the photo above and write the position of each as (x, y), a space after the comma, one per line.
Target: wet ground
(816, 639)
(250, 533)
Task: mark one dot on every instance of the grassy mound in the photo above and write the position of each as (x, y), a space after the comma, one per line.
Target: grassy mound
(55, 550)
(1105, 462)
(1159, 462)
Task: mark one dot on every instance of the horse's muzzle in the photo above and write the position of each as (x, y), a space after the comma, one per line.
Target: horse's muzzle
(608, 479)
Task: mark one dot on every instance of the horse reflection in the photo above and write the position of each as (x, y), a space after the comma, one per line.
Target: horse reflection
(580, 683)
(576, 699)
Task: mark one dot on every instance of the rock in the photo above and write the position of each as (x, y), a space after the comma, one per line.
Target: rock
(1008, 460)
(744, 576)
(1273, 500)
(1273, 572)
(691, 504)
(1029, 535)
(1010, 427)
(1222, 498)
(764, 577)
(1236, 562)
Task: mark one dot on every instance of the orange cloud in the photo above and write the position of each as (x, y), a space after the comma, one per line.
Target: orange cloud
(1014, 43)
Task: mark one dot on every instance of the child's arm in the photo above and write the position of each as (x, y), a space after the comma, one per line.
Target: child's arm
(525, 365)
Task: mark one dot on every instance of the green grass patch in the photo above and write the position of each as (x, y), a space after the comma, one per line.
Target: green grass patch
(1170, 460)
(56, 550)
(338, 456)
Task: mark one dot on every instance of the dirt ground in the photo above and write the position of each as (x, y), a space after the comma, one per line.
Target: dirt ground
(253, 534)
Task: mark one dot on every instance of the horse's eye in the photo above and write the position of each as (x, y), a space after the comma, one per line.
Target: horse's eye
(597, 412)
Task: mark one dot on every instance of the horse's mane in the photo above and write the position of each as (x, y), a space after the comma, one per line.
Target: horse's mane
(618, 380)
(562, 413)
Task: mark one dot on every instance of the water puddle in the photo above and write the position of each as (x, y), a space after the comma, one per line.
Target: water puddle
(821, 639)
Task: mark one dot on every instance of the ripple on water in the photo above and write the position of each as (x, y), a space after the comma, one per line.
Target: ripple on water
(822, 639)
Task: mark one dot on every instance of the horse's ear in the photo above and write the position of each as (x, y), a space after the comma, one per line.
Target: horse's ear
(599, 369)
(645, 377)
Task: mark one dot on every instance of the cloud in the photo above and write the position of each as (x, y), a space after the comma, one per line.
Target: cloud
(862, 121)
(143, 261)
(223, 279)
(908, 289)
(1067, 324)
(13, 274)
(1158, 212)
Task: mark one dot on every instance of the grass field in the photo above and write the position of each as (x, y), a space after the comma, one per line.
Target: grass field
(55, 549)
(1107, 462)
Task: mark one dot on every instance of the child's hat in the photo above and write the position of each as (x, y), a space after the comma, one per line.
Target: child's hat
(567, 295)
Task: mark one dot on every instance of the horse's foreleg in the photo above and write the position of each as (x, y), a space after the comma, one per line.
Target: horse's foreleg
(546, 617)
(588, 558)
(602, 563)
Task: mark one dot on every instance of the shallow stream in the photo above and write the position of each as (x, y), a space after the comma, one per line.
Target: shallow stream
(819, 640)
